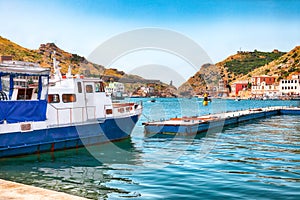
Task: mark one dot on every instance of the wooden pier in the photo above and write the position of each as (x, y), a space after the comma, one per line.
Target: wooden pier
(196, 124)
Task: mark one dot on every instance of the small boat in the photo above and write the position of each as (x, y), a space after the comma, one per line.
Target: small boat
(58, 113)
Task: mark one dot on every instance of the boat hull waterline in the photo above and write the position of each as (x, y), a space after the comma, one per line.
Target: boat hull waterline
(60, 138)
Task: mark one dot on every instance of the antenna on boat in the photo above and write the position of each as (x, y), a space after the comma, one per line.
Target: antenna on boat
(57, 74)
(69, 74)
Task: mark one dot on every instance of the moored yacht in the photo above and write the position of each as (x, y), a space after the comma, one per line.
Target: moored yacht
(58, 113)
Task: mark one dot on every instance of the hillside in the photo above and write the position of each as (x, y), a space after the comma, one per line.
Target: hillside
(282, 67)
(43, 56)
(232, 68)
(19, 53)
(207, 77)
(243, 63)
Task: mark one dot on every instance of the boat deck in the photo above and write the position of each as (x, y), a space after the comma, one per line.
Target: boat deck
(196, 124)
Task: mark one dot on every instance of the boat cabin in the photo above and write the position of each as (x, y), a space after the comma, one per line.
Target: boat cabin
(20, 98)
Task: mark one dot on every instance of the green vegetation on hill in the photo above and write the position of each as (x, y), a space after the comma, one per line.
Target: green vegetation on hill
(250, 61)
(283, 67)
(242, 66)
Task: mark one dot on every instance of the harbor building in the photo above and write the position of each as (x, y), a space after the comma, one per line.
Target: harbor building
(290, 86)
(239, 86)
(264, 86)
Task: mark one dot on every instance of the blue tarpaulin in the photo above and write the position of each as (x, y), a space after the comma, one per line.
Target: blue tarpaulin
(22, 111)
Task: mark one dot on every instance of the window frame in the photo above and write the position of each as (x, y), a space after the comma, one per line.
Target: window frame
(69, 98)
(49, 96)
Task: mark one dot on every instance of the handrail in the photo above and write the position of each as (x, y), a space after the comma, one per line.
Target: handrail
(70, 112)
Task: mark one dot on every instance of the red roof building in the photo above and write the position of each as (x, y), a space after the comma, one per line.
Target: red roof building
(239, 86)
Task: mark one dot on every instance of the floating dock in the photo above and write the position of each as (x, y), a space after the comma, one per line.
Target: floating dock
(17, 191)
(197, 124)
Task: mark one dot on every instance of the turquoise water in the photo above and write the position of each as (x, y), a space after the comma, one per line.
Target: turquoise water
(254, 160)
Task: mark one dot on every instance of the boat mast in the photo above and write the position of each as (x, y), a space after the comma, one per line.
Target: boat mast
(57, 74)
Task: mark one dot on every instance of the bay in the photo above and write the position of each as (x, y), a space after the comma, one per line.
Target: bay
(259, 159)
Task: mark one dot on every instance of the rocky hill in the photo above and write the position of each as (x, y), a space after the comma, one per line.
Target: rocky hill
(80, 65)
(43, 56)
(243, 63)
(240, 66)
(283, 67)
(207, 77)
(19, 53)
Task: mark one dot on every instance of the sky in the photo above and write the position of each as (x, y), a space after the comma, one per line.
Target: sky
(219, 27)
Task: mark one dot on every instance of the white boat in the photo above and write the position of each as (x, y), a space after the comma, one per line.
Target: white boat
(59, 113)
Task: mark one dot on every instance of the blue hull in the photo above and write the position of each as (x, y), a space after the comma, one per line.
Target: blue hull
(59, 138)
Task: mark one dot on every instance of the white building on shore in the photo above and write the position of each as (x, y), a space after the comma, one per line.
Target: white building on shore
(291, 86)
(115, 89)
(264, 86)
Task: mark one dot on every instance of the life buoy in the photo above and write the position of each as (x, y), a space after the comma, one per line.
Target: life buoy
(205, 100)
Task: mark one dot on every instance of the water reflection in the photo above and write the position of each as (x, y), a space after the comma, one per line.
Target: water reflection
(63, 171)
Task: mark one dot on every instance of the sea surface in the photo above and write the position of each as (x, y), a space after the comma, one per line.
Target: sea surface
(259, 159)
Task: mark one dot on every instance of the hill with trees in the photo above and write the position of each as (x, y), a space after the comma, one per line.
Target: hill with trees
(242, 66)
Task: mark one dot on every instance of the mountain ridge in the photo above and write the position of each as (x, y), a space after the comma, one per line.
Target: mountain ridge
(242, 66)
(43, 56)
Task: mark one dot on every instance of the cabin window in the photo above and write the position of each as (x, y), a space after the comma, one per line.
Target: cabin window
(108, 111)
(67, 98)
(79, 86)
(24, 93)
(102, 88)
(89, 89)
(99, 87)
(53, 98)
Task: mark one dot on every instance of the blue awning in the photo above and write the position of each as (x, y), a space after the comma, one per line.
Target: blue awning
(22, 111)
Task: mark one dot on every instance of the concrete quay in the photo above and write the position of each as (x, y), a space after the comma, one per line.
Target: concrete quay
(16, 191)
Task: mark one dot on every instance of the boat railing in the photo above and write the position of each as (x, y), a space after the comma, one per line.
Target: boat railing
(72, 115)
(126, 109)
